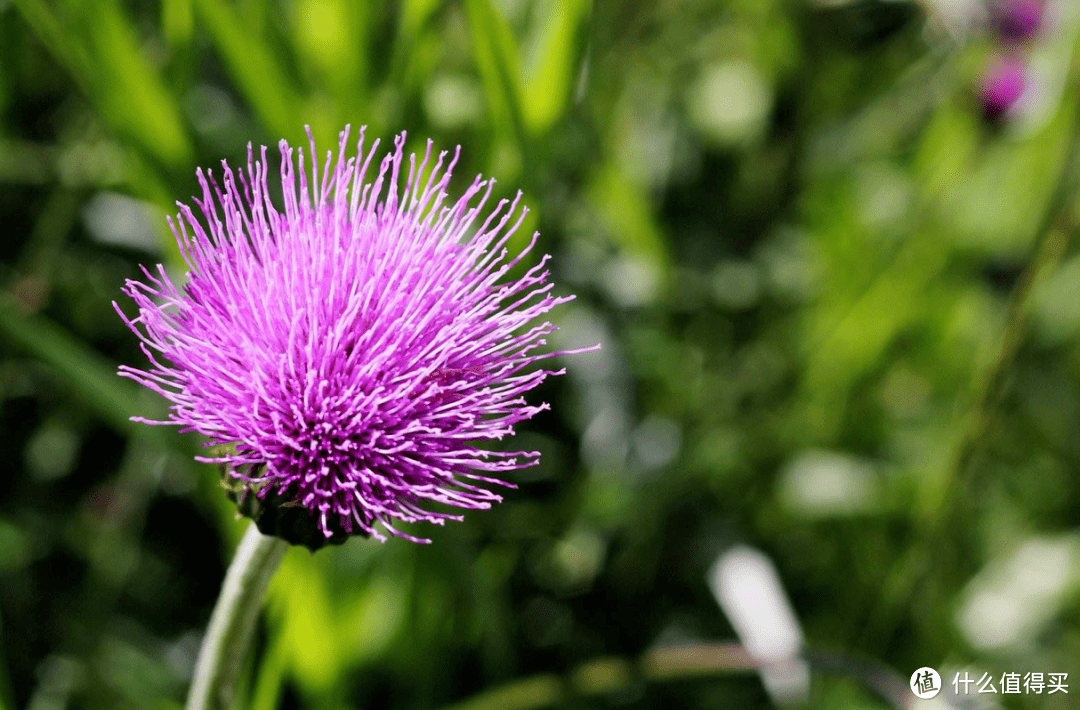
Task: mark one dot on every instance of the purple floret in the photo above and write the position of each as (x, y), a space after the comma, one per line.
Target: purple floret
(348, 351)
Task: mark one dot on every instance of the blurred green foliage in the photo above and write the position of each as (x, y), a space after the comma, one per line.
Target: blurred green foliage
(840, 317)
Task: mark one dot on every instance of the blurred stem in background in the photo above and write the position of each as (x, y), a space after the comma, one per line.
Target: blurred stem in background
(1052, 241)
(228, 637)
(613, 674)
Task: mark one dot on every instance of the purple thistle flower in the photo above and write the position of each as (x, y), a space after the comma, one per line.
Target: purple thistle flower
(348, 350)
(1002, 86)
(1018, 20)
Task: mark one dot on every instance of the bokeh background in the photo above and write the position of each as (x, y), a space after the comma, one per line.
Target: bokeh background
(827, 247)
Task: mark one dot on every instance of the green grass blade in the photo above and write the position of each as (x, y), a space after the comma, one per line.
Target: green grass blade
(86, 373)
(68, 49)
(623, 208)
(130, 91)
(498, 63)
(331, 39)
(415, 13)
(99, 48)
(555, 58)
(6, 702)
(178, 22)
(270, 680)
(254, 68)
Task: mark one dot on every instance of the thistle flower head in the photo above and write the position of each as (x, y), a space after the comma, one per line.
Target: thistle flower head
(1018, 20)
(347, 353)
(1003, 85)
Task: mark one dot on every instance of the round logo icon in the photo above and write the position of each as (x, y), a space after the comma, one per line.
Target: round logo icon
(925, 683)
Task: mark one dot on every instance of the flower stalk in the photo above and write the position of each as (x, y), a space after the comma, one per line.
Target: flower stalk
(228, 637)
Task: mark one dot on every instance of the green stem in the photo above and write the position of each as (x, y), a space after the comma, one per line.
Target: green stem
(233, 621)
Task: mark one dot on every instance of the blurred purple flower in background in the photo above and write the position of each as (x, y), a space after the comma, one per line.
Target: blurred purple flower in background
(1018, 20)
(1002, 86)
(347, 351)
